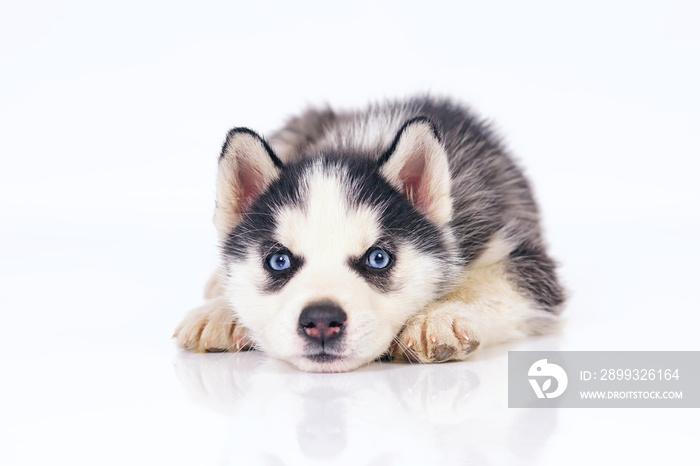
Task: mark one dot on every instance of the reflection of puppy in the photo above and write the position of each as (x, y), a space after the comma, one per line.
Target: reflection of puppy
(404, 223)
(401, 414)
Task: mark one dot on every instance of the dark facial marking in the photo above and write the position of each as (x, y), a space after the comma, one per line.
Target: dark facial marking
(276, 279)
(382, 279)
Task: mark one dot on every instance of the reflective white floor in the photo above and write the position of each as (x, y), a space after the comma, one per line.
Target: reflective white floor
(111, 118)
(116, 406)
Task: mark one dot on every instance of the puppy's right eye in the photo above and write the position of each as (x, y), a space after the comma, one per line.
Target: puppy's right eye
(279, 261)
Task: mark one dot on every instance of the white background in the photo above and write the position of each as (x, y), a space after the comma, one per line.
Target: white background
(111, 118)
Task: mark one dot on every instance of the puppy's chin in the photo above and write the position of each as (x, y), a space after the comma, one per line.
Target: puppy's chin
(328, 363)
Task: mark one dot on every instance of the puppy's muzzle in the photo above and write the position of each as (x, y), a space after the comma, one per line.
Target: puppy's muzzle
(322, 323)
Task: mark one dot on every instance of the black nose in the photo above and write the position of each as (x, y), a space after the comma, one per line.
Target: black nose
(322, 322)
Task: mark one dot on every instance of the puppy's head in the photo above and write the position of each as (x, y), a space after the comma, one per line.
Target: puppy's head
(329, 256)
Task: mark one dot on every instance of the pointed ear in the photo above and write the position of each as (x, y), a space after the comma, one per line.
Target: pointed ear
(247, 166)
(416, 165)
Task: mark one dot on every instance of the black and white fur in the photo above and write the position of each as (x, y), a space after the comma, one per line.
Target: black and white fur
(423, 181)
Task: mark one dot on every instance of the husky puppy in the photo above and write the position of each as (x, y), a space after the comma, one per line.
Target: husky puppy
(402, 230)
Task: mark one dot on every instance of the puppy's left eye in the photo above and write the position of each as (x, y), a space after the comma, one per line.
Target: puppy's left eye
(378, 259)
(279, 261)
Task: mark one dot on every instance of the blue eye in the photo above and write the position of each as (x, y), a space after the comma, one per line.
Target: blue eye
(378, 259)
(279, 261)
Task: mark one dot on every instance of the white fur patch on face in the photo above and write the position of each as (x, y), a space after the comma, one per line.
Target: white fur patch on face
(327, 231)
(326, 225)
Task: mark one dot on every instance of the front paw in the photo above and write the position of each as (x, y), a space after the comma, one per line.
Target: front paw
(212, 328)
(438, 334)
